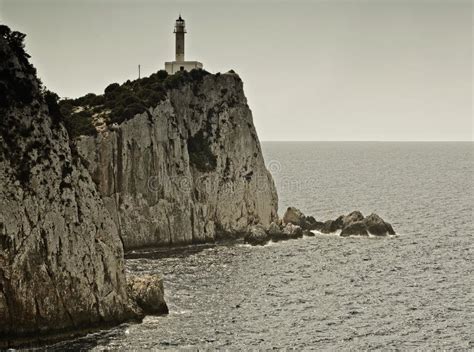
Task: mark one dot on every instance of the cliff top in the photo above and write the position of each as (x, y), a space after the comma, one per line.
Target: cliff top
(91, 113)
(120, 102)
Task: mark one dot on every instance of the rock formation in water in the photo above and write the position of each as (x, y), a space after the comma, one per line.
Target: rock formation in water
(352, 224)
(276, 231)
(296, 217)
(372, 224)
(148, 292)
(187, 170)
(61, 258)
(257, 236)
(355, 224)
(295, 225)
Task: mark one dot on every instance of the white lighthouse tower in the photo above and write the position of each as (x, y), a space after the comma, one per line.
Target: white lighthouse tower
(180, 64)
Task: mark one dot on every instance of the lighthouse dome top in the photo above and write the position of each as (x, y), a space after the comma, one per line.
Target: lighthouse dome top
(179, 26)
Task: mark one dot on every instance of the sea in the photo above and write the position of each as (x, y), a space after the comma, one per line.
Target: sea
(413, 291)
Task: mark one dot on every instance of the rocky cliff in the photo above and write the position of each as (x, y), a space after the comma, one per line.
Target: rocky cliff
(61, 258)
(187, 170)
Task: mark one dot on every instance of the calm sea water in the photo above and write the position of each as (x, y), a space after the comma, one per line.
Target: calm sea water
(412, 291)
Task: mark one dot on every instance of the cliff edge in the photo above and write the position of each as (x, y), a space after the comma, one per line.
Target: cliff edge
(61, 258)
(188, 169)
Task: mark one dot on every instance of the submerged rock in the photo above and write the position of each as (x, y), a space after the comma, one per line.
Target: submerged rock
(148, 293)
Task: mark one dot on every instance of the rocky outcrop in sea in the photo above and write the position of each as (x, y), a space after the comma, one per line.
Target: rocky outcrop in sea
(148, 292)
(355, 224)
(295, 224)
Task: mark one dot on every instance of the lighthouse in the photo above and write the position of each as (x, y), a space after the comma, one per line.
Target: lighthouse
(180, 31)
(180, 64)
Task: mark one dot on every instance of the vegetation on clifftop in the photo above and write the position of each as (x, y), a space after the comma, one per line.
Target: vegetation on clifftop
(122, 102)
(17, 86)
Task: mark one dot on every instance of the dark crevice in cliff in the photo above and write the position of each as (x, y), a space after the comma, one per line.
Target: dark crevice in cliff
(120, 150)
(200, 153)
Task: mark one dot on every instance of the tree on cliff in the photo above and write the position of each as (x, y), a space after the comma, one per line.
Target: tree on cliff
(15, 41)
(15, 90)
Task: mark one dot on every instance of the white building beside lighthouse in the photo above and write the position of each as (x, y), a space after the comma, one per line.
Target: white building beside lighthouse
(180, 64)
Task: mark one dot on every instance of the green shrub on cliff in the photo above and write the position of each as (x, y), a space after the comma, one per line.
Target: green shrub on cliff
(80, 124)
(15, 41)
(112, 87)
(161, 75)
(200, 153)
(51, 99)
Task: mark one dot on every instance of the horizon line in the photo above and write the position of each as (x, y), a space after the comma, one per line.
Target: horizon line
(370, 141)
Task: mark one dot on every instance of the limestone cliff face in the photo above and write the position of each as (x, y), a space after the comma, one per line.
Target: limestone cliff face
(61, 258)
(185, 171)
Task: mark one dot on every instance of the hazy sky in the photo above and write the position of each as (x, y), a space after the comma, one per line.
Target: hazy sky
(312, 70)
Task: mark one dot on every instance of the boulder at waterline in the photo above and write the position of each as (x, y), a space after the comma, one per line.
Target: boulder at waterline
(296, 217)
(257, 236)
(275, 232)
(148, 293)
(331, 226)
(351, 218)
(292, 231)
(355, 224)
(285, 232)
(293, 215)
(357, 228)
(377, 226)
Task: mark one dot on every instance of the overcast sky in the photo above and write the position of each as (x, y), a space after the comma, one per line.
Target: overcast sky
(312, 70)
